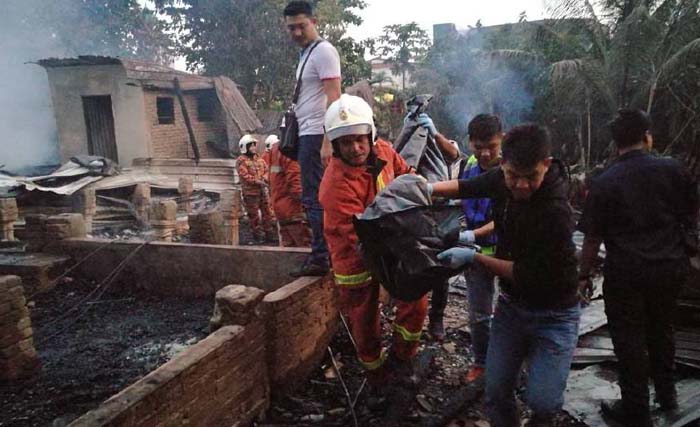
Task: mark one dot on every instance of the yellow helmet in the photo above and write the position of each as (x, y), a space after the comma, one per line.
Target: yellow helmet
(244, 142)
(349, 115)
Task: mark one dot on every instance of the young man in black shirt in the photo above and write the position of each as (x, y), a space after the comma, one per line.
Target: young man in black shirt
(644, 208)
(537, 314)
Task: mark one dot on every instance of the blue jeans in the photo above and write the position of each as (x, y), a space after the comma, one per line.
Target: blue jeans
(546, 340)
(309, 159)
(480, 288)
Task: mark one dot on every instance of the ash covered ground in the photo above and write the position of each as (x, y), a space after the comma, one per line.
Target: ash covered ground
(97, 350)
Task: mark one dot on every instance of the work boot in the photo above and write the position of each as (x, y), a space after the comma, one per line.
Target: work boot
(436, 329)
(309, 269)
(616, 411)
(401, 371)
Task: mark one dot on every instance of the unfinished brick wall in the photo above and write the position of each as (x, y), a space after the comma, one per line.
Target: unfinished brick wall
(18, 358)
(220, 381)
(301, 319)
(171, 141)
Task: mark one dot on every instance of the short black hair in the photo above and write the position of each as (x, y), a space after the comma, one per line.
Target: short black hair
(483, 127)
(629, 126)
(295, 8)
(526, 145)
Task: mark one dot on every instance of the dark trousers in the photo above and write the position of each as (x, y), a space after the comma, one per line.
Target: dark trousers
(309, 159)
(641, 304)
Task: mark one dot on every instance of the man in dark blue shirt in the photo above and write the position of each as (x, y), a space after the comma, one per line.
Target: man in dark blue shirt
(644, 208)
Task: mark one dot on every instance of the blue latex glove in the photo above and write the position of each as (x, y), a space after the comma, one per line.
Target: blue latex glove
(457, 257)
(466, 237)
(425, 121)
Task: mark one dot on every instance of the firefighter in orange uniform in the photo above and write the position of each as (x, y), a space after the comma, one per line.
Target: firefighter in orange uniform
(285, 189)
(361, 166)
(252, 171)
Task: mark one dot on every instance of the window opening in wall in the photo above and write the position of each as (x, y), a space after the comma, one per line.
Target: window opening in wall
(166, 110)
(205, 107)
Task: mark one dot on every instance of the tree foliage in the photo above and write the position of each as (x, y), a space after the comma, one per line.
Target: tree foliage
(402, 46)
(247, 41)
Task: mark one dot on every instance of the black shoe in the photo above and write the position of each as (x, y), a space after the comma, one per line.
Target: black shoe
(667, 403)
(309, 269)
(615, 410)
(436, 329)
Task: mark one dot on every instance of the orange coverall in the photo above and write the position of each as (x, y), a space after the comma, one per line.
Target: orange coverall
(252, 171)
(285, 189)
(345, 191)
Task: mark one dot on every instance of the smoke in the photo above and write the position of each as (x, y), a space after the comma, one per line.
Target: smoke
(31, 30)
(480, 81)
(27, 125)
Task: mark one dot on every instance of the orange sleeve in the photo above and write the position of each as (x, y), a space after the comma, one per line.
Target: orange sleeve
(243, 172)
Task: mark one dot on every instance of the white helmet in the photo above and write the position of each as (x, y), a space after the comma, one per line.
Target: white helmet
(349, 115)
(244, 142)
(270, 141)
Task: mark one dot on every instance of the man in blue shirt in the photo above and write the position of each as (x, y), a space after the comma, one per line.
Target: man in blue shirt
(485, 135)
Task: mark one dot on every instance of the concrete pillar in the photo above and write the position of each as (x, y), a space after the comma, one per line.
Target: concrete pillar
(164, 219)
(8, 216)
(207, 228)
(185, 186)
(18, 358)
(230, 208)
(85, 203)
(141, 199)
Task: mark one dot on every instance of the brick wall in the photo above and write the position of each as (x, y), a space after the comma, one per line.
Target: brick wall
(18, 358)
(301, 319)
(220, 381)
(171, 141)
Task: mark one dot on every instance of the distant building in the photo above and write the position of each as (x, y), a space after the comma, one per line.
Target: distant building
(127, 109)
(380, 67)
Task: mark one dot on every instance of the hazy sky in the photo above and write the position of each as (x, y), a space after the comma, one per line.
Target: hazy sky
(428, 12)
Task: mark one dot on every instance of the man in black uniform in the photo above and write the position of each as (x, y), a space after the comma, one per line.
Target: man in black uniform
(644, 208)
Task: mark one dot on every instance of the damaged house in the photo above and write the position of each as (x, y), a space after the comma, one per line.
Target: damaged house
(126, 109)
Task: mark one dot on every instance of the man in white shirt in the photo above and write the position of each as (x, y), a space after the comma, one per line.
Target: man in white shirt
(320, 86)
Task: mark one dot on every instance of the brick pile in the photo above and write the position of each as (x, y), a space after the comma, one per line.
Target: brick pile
(141, 198)
(230, 208)
(18, 358)
(185, 187)
(220, 381)
(85, 203)
(39, 230)
(300, 318)
(207, 228)
(8, 216)
(163, 219)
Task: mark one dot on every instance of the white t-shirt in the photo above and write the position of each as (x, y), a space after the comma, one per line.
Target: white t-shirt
(324, 64)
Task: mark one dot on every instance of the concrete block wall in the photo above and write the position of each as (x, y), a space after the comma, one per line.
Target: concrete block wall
(18, 358)
(220, 381)
(171, 141)
(40, 230)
